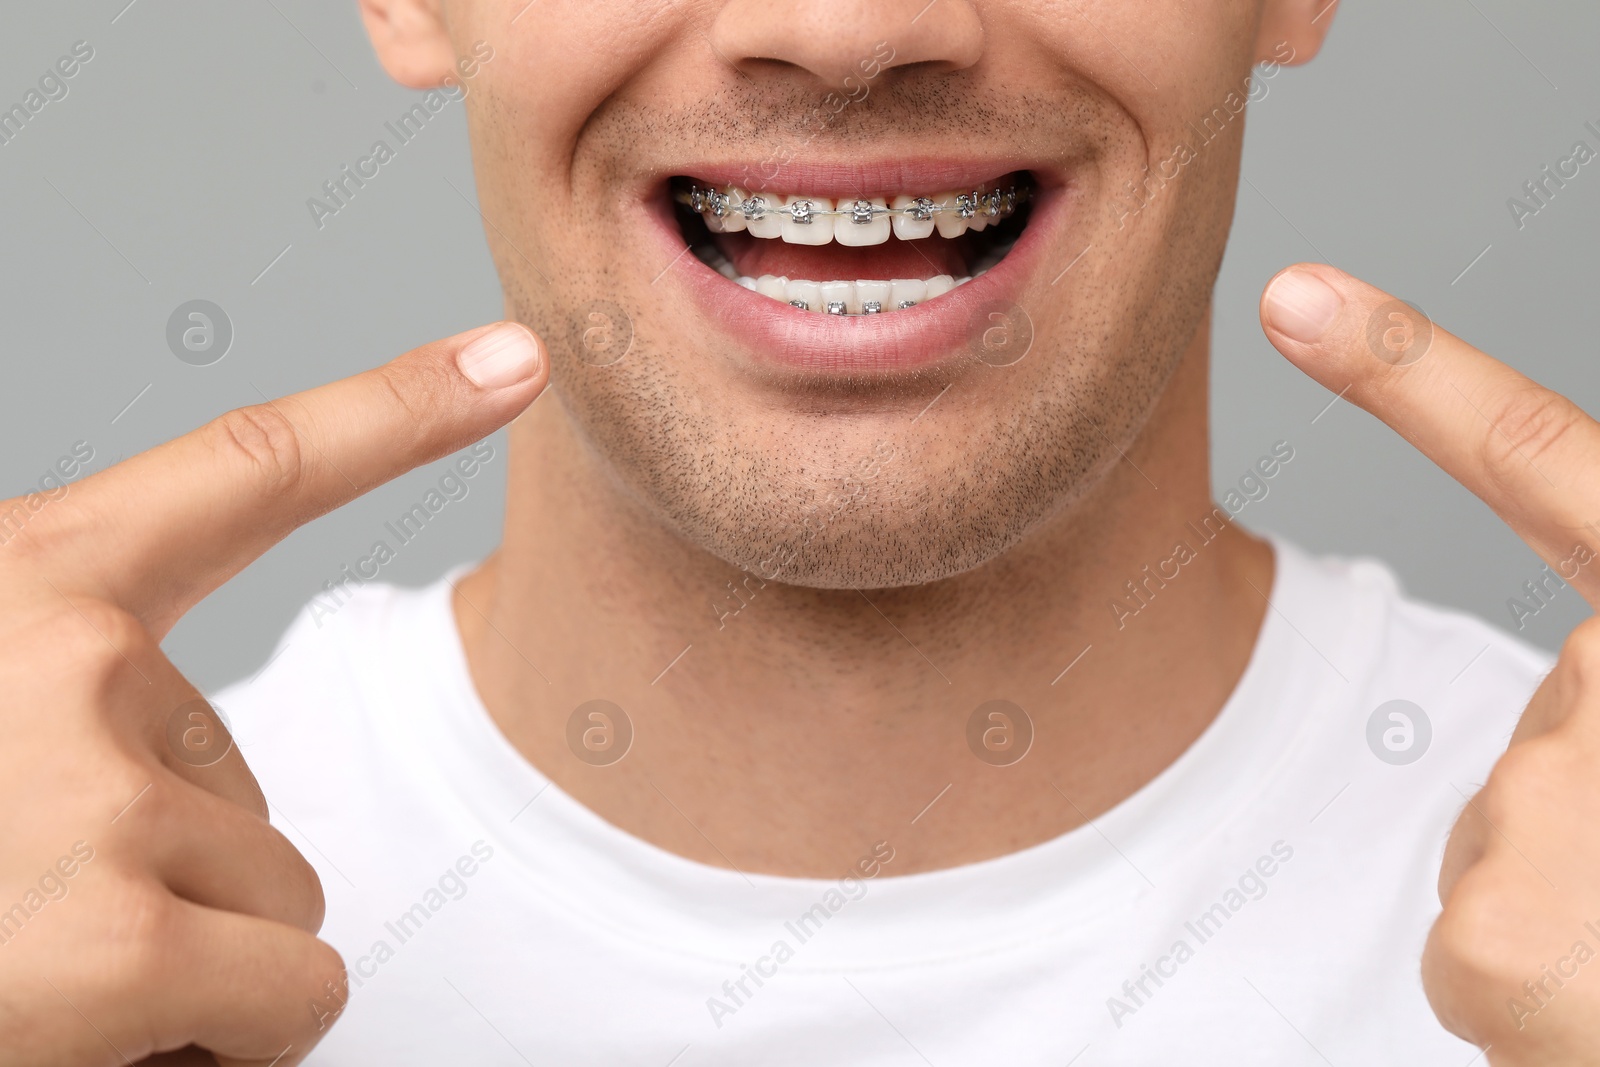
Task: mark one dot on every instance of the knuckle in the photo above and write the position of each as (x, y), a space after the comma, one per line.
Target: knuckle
(161, 806)
(420, 390)
(118, 626)
(264, 442)
(325, 967)
(140, 927)
(309, 906)
(1521, 782)
(128, 791)
(101, 641)
(1525, 423)
(327, 986)
(15, 515)
(252, 798)
(1470, 937)
(1580, 656)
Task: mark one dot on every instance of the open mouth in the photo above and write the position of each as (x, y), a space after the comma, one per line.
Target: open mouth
(850, 255)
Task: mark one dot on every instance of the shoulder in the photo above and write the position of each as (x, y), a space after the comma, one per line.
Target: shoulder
(331, 633)
(1404, 627)
(1461, 680)
(315, 708)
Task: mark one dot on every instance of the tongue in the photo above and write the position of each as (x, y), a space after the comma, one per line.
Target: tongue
(755, 256)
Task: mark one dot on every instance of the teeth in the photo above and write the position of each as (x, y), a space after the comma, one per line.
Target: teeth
(839, 295)
(855, 222)
(806, 294)
(865, 225)
(986, 211)
(764, 219)
(909, 227)
(906, 291)
(948, 220)
(732, 219)
(873, 293)
(864, 297)
(801, 222)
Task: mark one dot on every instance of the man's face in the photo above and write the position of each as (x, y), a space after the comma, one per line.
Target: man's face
(859, 449)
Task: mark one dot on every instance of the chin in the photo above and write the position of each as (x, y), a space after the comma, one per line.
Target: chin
(892, 511)
(872, 549)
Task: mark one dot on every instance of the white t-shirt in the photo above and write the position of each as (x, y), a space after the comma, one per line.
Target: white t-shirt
(1264, 900)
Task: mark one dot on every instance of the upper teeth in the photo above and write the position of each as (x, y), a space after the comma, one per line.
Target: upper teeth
(817, 220)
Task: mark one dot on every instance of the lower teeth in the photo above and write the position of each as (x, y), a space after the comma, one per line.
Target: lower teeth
(863, 297)
(860, 297)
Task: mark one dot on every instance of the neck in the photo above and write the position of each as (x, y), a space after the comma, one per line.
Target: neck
(785, 730)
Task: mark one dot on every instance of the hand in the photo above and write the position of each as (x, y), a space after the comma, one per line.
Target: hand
(146, 905)
(1520, 882)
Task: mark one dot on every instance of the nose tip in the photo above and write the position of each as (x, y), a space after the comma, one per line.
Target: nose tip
(840, 45)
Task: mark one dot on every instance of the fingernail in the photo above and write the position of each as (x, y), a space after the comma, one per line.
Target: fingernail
(1302, 306)
(504, 356)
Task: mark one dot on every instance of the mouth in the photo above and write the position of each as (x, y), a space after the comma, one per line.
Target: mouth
(852, 255)
(895, 275)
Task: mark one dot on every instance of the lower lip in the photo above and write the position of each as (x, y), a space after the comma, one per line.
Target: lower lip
(939, 331)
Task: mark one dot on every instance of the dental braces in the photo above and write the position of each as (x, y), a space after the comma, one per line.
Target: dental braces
(993, 204)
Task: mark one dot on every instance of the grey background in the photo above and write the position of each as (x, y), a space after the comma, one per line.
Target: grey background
(178, 167)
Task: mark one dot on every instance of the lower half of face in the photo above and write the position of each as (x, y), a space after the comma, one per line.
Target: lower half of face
(865, 345)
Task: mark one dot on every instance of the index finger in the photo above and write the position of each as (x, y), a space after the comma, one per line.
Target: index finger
(1528, 452)
(158, 532)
